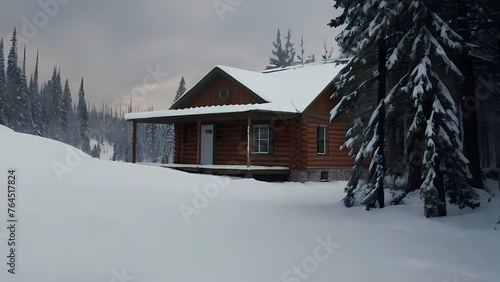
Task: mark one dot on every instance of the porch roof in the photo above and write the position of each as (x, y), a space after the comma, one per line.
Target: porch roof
(218, 110)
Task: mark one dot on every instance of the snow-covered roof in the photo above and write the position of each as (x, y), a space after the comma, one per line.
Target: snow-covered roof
(211, 110)
(286, 90)
(295, 87)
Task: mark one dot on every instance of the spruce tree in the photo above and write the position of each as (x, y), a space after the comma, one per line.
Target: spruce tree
(468, 94)
(14, 84)
(36, 107)
(181, 90)
(424, 49)
(367, 22)
(54, 108)
(161, 129)
(65, 112)
(420, 67)
(83, 118)
(289, 50)
(45, 93)
(278, 54)
(3, 86)
(24, 120)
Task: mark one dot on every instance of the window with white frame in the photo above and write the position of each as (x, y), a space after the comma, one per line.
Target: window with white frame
(261, 139)
(322, 139)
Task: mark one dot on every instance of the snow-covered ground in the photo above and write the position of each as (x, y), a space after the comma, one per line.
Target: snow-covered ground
(82, 219)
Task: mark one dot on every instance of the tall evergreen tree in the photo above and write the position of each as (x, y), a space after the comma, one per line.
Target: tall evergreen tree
(434, 132)
(278, 57)
(54, 113)
(18, 100)
(83, 118)
(45, 103)
(419, 65)
(468, 94)
(36, 107)
(24, 120)
(289, 50)
(368, 22)
(66, 108)
(3, 85)
(181, 90)
(14, 84)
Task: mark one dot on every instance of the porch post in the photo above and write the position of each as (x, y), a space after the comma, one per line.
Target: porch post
(198, 143)
(134, 140)
(249, 140)
(180, 139)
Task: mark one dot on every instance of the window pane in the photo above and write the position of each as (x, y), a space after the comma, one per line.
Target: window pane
(260, 138)
(264, 147)
(321, 142)
(255, 146)
(321, 147)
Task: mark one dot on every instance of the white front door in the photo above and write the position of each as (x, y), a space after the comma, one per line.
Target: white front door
(207, 144)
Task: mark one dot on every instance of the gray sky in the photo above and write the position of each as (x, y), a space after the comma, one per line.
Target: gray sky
(124, 49)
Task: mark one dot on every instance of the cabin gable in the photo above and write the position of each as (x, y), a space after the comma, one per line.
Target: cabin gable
(217, 88)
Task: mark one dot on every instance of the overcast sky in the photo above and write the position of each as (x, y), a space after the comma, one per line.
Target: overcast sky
(119, 46)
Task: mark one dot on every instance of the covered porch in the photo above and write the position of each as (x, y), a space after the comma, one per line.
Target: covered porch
(240, 140)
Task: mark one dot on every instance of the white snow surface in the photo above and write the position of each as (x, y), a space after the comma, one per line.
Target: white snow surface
(288, 90)
(108, 221)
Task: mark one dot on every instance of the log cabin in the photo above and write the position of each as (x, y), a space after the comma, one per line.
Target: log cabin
(275, 122)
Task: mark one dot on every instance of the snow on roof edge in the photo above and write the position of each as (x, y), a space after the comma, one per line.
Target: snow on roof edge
(211, 110)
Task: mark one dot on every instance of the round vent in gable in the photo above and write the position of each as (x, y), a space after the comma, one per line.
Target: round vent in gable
(223, 94)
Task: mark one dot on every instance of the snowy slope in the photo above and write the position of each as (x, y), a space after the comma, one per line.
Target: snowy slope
(82, 219)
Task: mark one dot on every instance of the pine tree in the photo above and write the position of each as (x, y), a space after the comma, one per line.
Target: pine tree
(483, 32)
(418, 64)
(278, 57)
(289, 50)
(24, 120)
(14, 85)
(3, 86)
(181, 90)
(83, 120)
(65, 112)
(36, 107)
(434, 132)
(468, 93)
(18, 100)
(367, 21)
(96, 151)
(54, 110)
(45, 103)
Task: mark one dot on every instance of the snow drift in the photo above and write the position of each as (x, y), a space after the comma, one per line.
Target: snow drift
(82, 219)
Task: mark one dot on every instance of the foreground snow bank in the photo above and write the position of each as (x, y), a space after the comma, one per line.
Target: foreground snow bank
(82, 219)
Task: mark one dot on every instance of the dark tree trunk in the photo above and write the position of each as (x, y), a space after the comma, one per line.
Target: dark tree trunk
(382, 88)
(438, 183)
(469, 105)
(416, 155)
(378, 166)
(497, 19)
